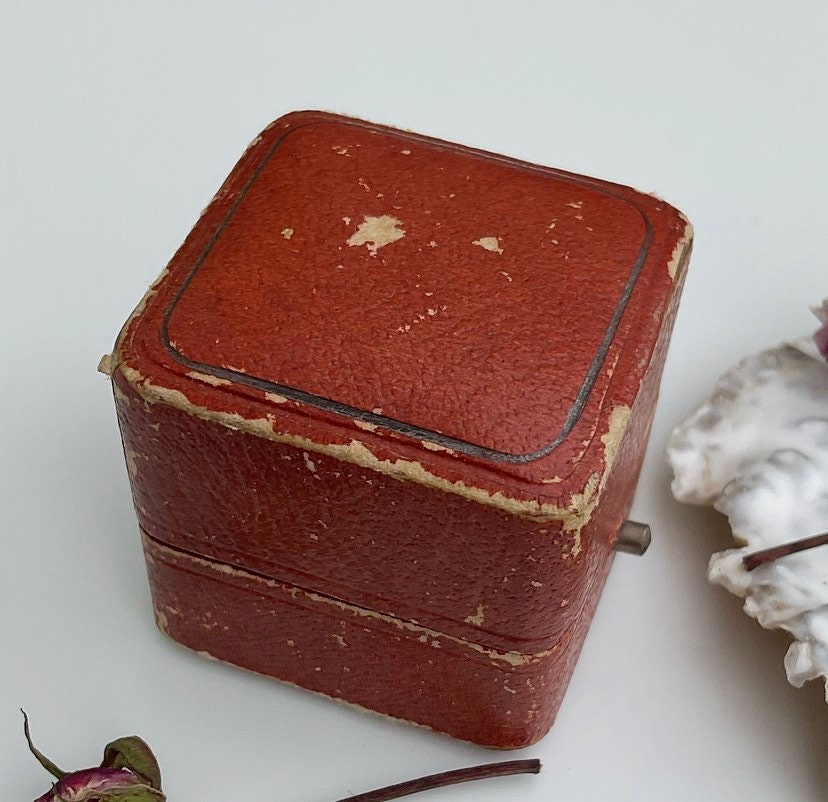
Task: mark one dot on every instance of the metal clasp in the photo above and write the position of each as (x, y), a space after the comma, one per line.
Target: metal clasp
(633, 538)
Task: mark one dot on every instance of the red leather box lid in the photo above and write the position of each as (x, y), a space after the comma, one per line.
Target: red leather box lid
(429, 292)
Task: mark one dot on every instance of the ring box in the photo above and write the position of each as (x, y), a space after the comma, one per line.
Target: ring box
(384, 413)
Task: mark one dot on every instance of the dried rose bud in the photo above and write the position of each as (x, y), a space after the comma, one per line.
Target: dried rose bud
(129, 773)
(821, 335)
(93, 785)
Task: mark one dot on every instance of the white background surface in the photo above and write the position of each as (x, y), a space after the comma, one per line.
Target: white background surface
(118, 121)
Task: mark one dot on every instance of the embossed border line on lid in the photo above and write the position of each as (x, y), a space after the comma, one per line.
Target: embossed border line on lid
(391, 424)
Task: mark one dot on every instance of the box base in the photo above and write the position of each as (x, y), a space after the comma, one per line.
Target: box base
(501, 700)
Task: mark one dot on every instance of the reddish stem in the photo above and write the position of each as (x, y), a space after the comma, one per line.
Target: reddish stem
(758, 558)
(448, 778)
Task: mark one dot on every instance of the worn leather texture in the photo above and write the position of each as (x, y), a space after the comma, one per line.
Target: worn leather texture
(421, 450)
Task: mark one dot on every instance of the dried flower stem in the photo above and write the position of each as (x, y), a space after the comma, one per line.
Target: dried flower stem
(448, 778)
(759, 558)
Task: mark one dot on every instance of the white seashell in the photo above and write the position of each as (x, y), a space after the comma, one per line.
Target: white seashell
(757, 450)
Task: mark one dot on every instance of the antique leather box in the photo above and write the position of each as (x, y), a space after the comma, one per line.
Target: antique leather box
(384, 413)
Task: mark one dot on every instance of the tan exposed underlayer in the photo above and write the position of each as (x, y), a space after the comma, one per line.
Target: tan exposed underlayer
(427, 635)
(377, 232)
(573, 517)
(679, 250)
(106, 365)
(587, 501)
(489, 243)
(436, 447)
(162, 622)
(366, 426)
(216, 381)
(479, 616)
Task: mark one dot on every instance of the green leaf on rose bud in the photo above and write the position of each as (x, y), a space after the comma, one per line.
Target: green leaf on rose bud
(134, 754)
(41, 758)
